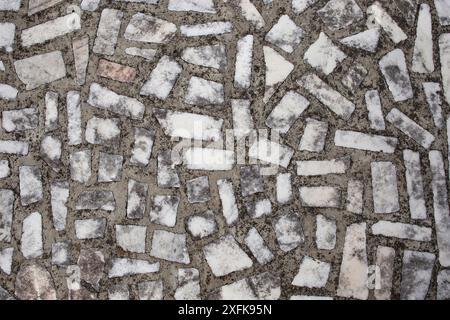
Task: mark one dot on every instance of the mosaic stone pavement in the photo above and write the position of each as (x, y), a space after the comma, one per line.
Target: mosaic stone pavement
(212, 149)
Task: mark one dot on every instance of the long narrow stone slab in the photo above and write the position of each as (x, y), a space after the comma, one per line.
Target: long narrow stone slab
(244, 58)
(320, 197)
(30, 181)
(108, 32)
(410, 128)
(433, 96)
(208, 159)
(6, 214)
(385, 263)
(162, 79)
(416, 274)
(80, 49)
(444, 52)
(384, 187)
(394, 69)
(228, 200)
(271, 152)
(440, 206)
(377, 16)
(365, 141)
(10, 5)
(322, 167)
(373, 104)
(206, 29)
(354, 268)
(106, 99)
(401, 231)
(31, 244)
(14, 147)
(327, 95)
(423, 49)
(414, 185)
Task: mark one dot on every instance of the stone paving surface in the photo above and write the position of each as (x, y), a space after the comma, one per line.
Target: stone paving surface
(224, 149)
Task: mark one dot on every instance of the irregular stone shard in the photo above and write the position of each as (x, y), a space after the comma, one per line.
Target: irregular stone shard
(354, 77)
(80, 49)
(312, 273)
(164, 210)
(80, 166)
(416, 274)
(243, 124)
(198, 190)
(6, 214)
(443, 285)
(354, 268)
(355, 200)
(7, 92)
(289, 231)
(147, 54)
(189, 125)
(20, 119)
(74, 118)
(51, 149)
(374, 108)
(14, 147)
(7, 35)
(131, 238)
(103, 131)
(271, 152)
(188, 285)
(414, 185)
(384, 187)
(225, 256)
(324, 55)
(251, 14)
(145, 28)
(287, 111)
(90, 228)
(244, 59)
(204, 6)
(109, 167)
(167, 174)
(142, 148)
(251, 180)
(338, 14)
(210, 56)
(31, 242)
(394, 69)
(51, 111)
(170, 246)
(385, 262)
(258, 248)
(162, 78)
(108, 32)
(10, 5)
(91, 263)
(76, 291)
(230, 209)
(6, 259)
(34, 282)
(410, 128)
(325, 233)
(298, 6)
(423, 49)
(51, 29)
(322, 167)
(432, 93)
(364, 141)
(201, 225)
(206, 29)
(203, 92)
(320, 197)
(285, 34)
(444, 50)
(277, 67)
(59, 192)
(366, 40)
(137, 199)
(208, 159)
(443, 11)
(122, 267)
(401, 231)
(60, 253)
(96, 200)
(40, 69)
(115, 71)
(327, 95)
(151, 290)
(314, 135)
(89, 5)
(284, 188)
(440, 206)
(103, 98)
(5, 170)
(30, 180)
(378, 17)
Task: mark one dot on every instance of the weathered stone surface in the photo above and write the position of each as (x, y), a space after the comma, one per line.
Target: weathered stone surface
(108, 32)
(34, 282)
(416, 274)
(289, 231)
(170, 246)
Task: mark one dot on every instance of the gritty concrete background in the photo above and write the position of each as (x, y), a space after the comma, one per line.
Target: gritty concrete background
(285, 264)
